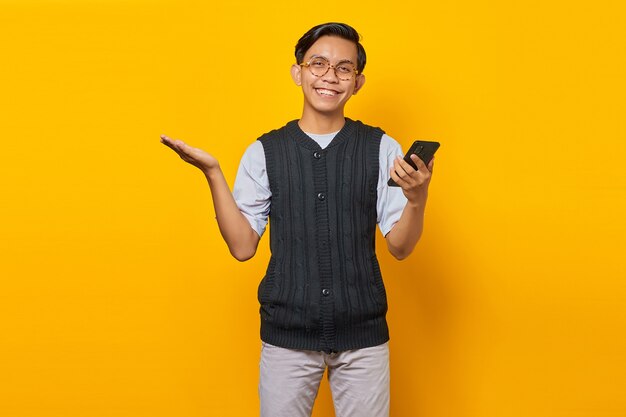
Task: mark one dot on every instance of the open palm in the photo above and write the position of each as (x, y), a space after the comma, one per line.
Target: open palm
(194, 156)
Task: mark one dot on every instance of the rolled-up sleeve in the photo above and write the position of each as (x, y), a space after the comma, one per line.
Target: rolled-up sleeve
(252, 189)
(391, 200)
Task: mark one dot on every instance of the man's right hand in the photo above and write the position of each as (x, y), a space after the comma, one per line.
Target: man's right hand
(241, 239)
(194, 156)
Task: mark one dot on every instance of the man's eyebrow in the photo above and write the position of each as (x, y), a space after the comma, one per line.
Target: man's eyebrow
(319, 56)
(343, 61)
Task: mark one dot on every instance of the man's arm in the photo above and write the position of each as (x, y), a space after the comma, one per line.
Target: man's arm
(407, 231)
(241, 238)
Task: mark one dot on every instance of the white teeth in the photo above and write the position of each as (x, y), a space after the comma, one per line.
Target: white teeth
(326, 92)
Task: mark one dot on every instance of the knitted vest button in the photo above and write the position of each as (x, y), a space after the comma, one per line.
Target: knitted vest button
(321, 196)
(317, 155)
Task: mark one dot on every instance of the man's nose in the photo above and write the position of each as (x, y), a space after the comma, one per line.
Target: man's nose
(330, 75)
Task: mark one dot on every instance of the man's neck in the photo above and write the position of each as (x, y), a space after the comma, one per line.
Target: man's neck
(320, 123)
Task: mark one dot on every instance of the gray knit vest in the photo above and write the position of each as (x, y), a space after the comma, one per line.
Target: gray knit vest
(323, 289)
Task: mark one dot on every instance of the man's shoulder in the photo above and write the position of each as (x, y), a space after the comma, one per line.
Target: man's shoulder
(276, 133)
(373, 130)
(388, 145)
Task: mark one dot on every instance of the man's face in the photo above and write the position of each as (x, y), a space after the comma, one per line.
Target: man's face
(328, 94)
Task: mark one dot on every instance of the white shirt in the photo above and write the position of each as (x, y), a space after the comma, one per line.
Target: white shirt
(253, 195)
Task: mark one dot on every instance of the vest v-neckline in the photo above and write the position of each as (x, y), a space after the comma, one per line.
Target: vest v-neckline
(306, 141)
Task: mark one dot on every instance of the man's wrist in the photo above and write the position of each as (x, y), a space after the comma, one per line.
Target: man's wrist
(417, 207)
(212, 173)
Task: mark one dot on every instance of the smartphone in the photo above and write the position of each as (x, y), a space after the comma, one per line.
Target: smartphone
(424, 149)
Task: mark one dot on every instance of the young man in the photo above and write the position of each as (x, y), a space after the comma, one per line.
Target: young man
(322, 181)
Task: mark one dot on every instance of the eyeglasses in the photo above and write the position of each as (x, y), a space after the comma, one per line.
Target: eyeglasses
(319, 66)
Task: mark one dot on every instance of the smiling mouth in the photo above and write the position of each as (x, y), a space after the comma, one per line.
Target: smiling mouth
(326, 93)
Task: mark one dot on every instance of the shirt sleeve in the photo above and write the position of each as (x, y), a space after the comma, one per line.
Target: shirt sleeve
(391, 200)
(252, 187)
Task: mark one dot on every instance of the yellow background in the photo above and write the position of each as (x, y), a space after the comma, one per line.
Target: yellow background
(119, 298)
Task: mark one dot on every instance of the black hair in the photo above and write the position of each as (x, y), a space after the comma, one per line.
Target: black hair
(331, 29)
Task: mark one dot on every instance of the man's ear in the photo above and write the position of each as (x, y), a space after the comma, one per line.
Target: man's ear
(296, 74)
(358, 83)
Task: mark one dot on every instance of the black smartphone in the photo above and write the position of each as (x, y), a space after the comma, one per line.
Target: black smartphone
(424, 149)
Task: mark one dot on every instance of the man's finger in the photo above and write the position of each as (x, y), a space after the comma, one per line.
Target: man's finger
(401, 169)
(406, 166)
(168, 141)
(165, 140)
(169, 145)
(418, 162)
(178, 146)
(431, 165)
(396, 178)
(173, 142)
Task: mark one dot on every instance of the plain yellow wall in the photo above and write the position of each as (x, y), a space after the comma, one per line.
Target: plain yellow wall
(118, 297)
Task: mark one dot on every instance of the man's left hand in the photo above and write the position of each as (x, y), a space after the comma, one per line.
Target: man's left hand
(414, 183)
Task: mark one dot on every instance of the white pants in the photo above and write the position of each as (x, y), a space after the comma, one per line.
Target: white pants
(359, 381)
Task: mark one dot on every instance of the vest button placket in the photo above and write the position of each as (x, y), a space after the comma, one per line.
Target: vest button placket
(327, 307)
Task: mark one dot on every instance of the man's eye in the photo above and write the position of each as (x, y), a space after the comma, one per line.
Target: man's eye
(319, 64)
(344, 69)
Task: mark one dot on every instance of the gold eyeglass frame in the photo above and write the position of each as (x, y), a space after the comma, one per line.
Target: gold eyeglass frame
(308, 65)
